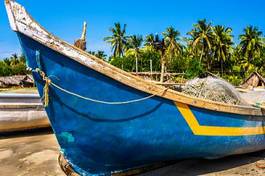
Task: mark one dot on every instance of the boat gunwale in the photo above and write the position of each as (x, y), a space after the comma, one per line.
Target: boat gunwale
(122, 76)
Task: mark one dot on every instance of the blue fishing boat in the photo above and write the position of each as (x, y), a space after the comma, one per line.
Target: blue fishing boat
(107, 120)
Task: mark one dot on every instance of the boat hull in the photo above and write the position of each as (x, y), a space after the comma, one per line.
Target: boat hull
(101, 139)
(20, 112)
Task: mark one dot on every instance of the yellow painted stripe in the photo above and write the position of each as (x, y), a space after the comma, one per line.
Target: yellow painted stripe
(201, 130)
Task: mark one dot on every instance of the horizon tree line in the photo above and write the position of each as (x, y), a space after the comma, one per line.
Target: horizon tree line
(211, 46)
(206, 47)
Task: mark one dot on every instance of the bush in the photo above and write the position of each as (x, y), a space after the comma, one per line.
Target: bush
(13, 66)
(127, 62)
(5, 70)
(195, 69)
(233, 79)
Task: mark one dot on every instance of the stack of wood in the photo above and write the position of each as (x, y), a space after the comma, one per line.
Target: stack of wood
(16, 81)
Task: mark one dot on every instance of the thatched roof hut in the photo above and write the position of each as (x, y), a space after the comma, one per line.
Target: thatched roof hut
(254, 80)
(16, 81)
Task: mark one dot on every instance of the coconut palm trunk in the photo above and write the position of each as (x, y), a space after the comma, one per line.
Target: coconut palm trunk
(136, 63)
(163, 63)
(222, 67)
(202, 52)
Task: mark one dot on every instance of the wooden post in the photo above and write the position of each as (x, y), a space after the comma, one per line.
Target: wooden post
(83, 36)
(162, 70)
(81, 43)
(151, 67)
(136, 63)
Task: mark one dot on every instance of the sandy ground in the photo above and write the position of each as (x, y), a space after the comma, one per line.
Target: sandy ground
(29, 155)
(36, 153)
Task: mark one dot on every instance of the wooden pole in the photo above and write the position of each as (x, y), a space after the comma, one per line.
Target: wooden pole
(83, 36)
(151, 67)
(81, 43)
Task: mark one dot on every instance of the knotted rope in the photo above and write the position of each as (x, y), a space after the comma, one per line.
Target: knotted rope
(46, 87)
(48, 83)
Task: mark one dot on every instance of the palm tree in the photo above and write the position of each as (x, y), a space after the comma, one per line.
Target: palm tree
(159, 45)
(134, 44)
(118, 40)
(153, 41)
(173, 48)
(150, 40)
(223, 41)
(202, 37)
(251, 43)
(14, 59)
(101, 54)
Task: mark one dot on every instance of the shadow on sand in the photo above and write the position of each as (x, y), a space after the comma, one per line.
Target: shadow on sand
(26, 133)
(204, 166)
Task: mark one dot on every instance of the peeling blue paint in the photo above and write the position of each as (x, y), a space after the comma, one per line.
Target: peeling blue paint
(66, 136)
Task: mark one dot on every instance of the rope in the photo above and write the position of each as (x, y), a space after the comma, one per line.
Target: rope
(46, 87)
(48, 83)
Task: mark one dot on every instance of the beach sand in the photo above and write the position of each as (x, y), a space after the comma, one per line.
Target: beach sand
(36, 153)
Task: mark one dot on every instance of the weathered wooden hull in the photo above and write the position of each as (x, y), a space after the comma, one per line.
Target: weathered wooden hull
(99, 139)
(21, 112)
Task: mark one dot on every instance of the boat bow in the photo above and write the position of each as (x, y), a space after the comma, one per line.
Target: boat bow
(22, 22)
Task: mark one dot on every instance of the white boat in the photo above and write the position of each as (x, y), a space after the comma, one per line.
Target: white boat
(20, 112)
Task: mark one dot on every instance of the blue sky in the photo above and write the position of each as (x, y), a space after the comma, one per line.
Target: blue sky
(65, 18)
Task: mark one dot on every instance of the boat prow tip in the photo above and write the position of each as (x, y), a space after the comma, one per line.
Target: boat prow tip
(9, 1)
(9, 9)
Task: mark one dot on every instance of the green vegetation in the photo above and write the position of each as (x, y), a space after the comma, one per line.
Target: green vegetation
(15, 65)
(118, 40)
(205, 48)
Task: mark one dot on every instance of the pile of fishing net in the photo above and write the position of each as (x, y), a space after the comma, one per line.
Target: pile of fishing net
(214, 89)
